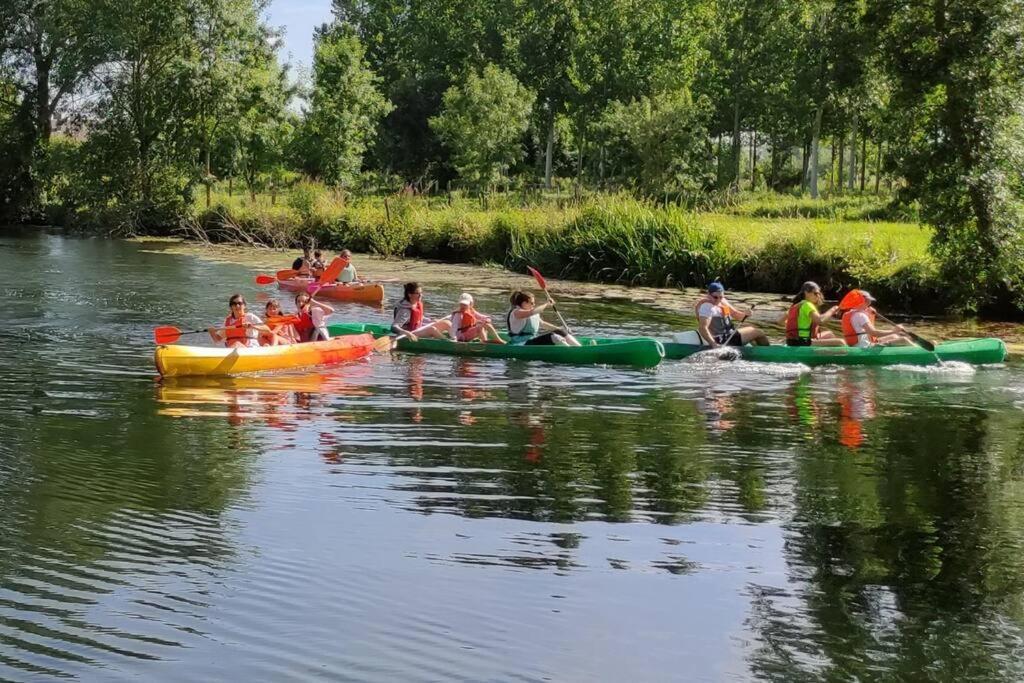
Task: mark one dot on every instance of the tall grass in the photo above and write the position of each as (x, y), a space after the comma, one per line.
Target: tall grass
(608, 239)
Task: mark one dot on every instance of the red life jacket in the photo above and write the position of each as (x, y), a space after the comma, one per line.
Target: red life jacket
(304, 326)
(850, 334)
(793, 324)
(415, 314)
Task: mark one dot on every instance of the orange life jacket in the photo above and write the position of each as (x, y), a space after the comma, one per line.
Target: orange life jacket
(467, 320)
(850, 334)
(234, 329)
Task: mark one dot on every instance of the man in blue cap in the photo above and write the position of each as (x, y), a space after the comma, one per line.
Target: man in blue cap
(715, 321)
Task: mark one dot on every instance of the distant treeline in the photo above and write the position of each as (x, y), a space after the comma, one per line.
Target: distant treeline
(117, 112)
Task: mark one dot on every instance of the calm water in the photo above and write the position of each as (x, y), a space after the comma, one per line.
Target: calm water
(430, 518)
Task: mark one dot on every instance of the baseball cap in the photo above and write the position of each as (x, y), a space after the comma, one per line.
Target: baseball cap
(466, 299)
(716, 287)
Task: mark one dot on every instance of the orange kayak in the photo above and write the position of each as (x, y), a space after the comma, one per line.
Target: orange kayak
(189, 361)
(365, 293)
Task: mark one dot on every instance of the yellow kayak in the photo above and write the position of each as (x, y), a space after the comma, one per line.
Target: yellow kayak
(184, 361)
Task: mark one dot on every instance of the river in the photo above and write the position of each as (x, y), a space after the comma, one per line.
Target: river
(433, 518)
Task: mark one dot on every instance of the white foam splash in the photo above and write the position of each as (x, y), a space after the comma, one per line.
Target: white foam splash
(951, 367)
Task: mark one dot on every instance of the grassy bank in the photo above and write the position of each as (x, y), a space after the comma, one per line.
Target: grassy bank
(613, 239)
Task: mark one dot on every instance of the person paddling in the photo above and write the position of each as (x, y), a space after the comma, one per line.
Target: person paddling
(715, 324)
(803, 321)
(409, 319)
(304, 264)
(281, 331)
(469, 324)
(859, 324)
(525, 326)
(311, 315)
(241, 328)
(348, 274)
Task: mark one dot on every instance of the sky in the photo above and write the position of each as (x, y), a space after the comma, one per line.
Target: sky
(298, 17)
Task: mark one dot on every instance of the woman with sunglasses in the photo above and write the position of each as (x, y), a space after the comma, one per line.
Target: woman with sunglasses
(715, 321)
(241, 328)
(803, 321)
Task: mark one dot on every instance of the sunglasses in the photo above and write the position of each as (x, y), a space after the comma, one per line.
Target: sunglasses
(237, 303)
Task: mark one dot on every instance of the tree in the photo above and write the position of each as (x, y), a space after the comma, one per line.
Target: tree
(345, 107)
(483, 122)
(662, 142)
(959, 80)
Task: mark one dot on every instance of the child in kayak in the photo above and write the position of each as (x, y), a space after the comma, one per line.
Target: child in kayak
(318, 265)
(311, 313)
(282, 330)
(715, 321)
(525, 326)
(859, 324)
(469, 324)
(803, 322)
(409, 319)
(241, 328)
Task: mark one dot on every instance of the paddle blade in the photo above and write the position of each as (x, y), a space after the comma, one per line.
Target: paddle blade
(384, 344)
(282, 319)
(922, 342)
(166, 334)
(332, 271)
(538, 277)
(265, 280)
(313, 287)
(286, 274)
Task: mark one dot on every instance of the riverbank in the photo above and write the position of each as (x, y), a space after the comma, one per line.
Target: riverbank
(760, 245)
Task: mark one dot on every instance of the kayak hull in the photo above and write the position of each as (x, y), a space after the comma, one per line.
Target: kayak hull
(973, 351)
(638, 352)
(207, 361)
(364, 293)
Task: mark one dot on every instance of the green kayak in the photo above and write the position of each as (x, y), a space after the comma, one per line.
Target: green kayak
(639, 352)
(975, 351)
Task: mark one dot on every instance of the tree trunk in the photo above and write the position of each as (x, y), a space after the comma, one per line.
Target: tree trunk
(878, 167)
(718, 162)
(43, 65)
(805, 161)
(753, 160)
(579, 159)
(863, 159)
(209, 175)
(815, 150)
(771, 164)
(842, 169)
(600, 168)
(231, 184)
(832, 165)
(549, 153)
(736, 145)
(852, 180)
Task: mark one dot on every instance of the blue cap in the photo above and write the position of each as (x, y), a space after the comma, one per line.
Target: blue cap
(716, 287)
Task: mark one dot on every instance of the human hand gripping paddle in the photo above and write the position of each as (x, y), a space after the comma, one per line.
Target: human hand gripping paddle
(544, 286)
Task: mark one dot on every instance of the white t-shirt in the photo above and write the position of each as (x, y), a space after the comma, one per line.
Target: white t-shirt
(716, 313)
(859, 321)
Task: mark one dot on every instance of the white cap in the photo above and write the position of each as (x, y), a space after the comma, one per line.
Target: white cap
(466, 299)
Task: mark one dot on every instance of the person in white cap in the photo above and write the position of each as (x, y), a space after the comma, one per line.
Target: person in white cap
(468, 324)
(859, 324)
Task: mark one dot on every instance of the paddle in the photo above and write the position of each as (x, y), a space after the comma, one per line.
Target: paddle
(286, 274)
(855, 298)
(542, 283)
(169, 334)
(332, 271)
(386, 343)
